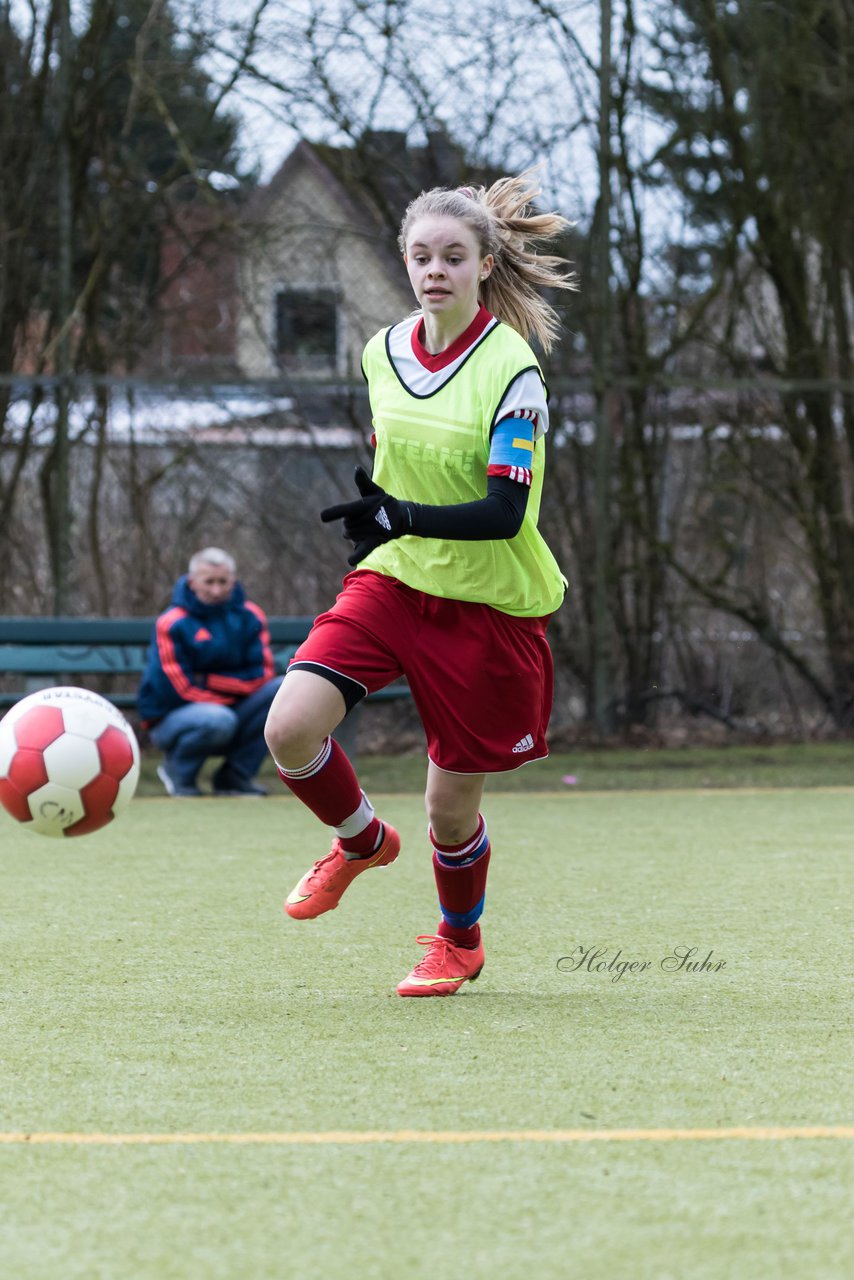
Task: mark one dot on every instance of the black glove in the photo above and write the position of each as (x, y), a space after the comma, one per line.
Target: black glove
(371, 520)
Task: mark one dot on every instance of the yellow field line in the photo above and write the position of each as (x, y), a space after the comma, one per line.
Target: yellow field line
(768, 1133)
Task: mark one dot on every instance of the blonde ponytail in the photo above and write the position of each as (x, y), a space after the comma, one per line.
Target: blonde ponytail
(506, 226)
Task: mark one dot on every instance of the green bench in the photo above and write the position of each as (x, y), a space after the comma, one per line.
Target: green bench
(109, 654)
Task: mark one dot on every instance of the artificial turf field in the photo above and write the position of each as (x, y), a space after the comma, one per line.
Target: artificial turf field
(309, 1123)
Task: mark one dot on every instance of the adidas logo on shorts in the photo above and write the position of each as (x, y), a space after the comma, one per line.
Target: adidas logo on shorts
(525, 744)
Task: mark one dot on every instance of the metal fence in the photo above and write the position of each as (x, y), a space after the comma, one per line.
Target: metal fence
(699, 509)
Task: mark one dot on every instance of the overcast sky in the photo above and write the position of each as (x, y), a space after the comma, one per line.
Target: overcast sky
(500, 78)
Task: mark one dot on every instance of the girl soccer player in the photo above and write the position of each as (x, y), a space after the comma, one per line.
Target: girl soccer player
(452, 584)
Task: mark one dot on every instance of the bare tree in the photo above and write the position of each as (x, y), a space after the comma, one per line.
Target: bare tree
(123, 111)
(717, 252)
(759, 120)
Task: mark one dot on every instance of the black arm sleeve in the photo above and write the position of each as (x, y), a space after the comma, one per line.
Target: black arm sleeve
(497, 516)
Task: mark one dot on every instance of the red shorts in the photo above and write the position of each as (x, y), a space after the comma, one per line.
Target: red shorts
(482, 680)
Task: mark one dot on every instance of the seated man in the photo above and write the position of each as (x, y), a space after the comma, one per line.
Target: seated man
(209, 681)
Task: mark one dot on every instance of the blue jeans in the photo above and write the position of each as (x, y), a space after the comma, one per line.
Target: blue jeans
(196, 730)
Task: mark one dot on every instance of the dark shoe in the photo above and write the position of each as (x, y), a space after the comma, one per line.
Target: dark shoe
(173, 787)
(227, 783)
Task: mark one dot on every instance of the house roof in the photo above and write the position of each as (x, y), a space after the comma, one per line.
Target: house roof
(374, 180)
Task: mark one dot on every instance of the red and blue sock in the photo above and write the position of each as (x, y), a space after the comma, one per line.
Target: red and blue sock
(329, 787)
(460, 871)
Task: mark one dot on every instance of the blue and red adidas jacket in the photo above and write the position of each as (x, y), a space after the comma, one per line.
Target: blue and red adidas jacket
(204, 653)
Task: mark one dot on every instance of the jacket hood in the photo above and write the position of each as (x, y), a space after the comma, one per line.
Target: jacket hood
(186, 598)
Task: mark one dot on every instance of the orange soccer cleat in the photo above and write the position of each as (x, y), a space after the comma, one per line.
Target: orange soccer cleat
(444, 968)
(322, 887)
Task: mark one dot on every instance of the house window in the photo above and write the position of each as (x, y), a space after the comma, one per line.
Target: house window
(306, 330)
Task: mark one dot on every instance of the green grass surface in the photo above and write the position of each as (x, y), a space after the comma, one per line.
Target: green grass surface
(827, 764)
(152, 985)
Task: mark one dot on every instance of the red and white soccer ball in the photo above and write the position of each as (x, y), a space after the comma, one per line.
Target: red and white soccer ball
(69, 762)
